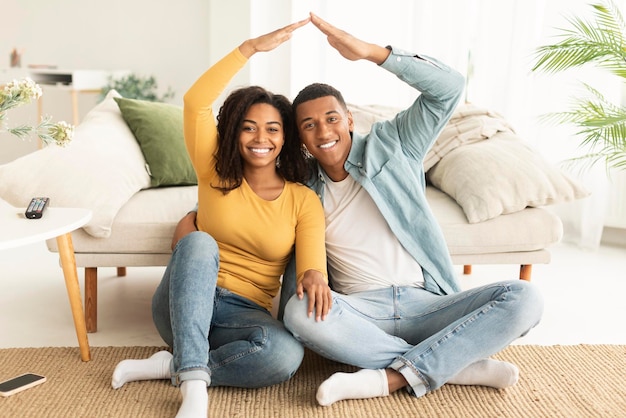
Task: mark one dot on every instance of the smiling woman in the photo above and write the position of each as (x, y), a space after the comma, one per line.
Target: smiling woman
(260, 143)
(253, 118)
(253, 212)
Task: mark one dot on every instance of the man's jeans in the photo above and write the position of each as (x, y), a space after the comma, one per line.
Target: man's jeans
(428, 338)
(217, 336)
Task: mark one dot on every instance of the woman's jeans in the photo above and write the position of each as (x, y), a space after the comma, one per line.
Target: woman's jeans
(217, 336)
(426, 337)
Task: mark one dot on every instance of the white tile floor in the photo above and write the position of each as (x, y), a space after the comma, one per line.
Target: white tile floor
(584, 292)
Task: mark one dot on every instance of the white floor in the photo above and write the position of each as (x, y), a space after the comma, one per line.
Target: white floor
(584, 294)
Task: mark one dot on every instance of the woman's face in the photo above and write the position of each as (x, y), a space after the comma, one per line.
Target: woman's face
(262, 135)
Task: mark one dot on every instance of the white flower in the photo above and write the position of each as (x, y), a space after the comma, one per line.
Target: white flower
(60, 133)
(18, 93)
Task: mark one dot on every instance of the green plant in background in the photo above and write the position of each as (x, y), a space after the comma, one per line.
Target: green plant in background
(601, 124)
(133, 86)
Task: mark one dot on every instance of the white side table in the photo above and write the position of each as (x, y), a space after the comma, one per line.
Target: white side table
(16, 230)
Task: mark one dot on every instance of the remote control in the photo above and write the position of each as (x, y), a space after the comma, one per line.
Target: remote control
(36, 207)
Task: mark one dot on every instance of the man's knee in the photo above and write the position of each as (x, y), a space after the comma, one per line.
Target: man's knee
(296, 313)
(530, 302)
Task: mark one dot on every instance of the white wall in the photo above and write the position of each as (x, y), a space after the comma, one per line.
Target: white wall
(176, 42)
(150, 37)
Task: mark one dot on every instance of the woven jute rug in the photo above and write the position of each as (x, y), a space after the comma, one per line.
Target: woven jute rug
(555, 381)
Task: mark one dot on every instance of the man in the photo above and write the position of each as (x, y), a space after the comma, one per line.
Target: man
(397, 309)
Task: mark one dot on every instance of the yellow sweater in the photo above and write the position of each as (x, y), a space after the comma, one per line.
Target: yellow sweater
(255, 236)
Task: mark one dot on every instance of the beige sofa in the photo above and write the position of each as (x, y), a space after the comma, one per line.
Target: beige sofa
(134, 221)
(142, 232)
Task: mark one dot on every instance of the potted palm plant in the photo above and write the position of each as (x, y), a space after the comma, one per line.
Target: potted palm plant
(600, 124)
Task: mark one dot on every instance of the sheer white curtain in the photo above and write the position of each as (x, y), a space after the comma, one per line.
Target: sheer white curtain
(492, 43)
(505, 37)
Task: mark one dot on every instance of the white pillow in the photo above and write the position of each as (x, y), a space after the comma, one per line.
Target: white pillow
(100, 169)
(501, 175)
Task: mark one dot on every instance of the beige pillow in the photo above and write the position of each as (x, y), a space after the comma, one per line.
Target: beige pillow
(501, 175)
(366, 115)
(469, 123)
(100, 170)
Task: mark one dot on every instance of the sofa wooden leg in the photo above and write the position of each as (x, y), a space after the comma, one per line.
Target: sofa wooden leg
(525, 271)
(121, 271)
(467, 269)
(91, 298)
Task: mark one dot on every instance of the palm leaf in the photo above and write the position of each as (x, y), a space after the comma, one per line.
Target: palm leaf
(602, 42)
(601, 125)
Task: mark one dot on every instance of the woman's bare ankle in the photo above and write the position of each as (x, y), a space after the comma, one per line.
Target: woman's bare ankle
(395, 380)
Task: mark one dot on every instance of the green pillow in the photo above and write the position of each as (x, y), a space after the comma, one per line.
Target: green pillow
(158, 128)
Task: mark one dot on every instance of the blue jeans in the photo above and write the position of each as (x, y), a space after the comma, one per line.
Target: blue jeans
(426, 337)
(216, 335)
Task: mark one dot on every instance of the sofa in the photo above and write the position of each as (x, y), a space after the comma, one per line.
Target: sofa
(487, 188)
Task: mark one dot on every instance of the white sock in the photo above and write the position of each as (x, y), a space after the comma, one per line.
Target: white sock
(195, 399)
(487, 372)
(155, 367)
(365, 383)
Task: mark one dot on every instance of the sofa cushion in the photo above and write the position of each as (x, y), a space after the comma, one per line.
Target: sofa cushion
(501, 175)
(158, 128)
(144, 225)
(99, 170)
(526, 230)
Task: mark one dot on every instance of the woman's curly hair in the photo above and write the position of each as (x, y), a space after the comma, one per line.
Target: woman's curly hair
(291, 163)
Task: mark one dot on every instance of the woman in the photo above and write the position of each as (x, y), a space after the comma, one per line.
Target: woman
(212, 306)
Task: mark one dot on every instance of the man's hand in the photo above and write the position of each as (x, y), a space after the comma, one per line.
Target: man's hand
(320, 298)
(348, 46)
(270, 40)
(185, 226)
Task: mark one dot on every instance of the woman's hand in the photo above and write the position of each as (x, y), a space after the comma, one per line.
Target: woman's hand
(320, 298)
(270, 40)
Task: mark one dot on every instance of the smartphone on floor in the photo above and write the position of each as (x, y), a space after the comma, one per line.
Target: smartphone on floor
(20, 383)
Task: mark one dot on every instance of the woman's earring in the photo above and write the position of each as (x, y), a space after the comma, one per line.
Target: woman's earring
(306, 152)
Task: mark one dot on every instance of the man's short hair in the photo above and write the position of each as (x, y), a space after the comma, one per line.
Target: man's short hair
(315, 91)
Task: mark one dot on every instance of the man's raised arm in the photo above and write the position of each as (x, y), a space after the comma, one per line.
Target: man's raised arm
(348, 46)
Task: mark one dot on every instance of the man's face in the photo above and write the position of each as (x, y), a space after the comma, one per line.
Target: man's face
(324, 127)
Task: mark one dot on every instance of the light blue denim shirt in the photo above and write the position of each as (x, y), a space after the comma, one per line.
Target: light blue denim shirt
(388, 163)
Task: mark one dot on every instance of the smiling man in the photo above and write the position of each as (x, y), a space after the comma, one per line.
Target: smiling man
(397, 309)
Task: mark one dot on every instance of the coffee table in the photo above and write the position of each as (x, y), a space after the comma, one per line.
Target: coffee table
(17, 230)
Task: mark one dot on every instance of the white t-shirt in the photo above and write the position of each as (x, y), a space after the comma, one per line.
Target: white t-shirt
(363, 253)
